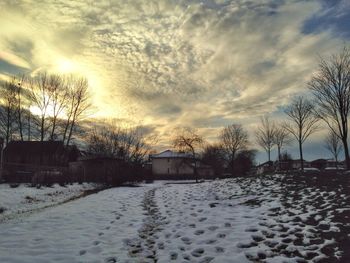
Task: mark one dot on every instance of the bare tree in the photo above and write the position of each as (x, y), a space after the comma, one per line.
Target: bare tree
(187, 140)
(8, 109)
(20, 108)
(331, 89)
(333, 144)
(78, 103)
(280, 139)
(265, 135)
(58, 94)
(303, 122)
(233, 139)
(214, 155)
(129, 144)
(40, 96)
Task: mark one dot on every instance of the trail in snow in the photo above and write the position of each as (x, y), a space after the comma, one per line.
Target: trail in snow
(260, 219)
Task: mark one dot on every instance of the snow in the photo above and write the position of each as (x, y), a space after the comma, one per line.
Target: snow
(233, 220)
(23, 199)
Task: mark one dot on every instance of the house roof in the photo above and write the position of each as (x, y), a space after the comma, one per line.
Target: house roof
(171, 154)
(319, 161)
(268, 163)
(35, 147)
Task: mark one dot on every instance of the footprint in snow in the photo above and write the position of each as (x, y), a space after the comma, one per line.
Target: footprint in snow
(221, 235)
(186, 240)
(82, 252)
(96, 243)
(210, 241)
(111, 260)
(213, 228)
(206, 260)
(173, 255)
(198, 252)
(199, 232)
(219, 249)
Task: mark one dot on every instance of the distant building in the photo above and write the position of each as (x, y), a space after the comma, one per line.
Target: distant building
(319, 164)
(178, 165)
(96, 169)
(266, 167)
(323, 164)
(21, 159)
(296, 164)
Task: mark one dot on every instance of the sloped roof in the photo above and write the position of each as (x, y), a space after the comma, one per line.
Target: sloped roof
(38, 147)
(171, 154)
(33, 147)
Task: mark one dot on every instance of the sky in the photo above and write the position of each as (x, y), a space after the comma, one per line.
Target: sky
(166, 64)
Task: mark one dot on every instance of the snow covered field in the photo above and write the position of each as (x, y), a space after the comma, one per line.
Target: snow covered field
(23, 199)
(261, 219)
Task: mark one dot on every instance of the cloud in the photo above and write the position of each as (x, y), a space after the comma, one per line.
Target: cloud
(12, 59)
(172, 63)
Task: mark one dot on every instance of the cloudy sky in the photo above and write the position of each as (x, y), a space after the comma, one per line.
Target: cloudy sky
(164, 64)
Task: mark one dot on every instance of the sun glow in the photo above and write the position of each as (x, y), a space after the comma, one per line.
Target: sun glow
(66, 66)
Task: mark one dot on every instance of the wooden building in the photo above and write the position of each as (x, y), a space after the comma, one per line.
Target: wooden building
(97, 169)
(22, 159)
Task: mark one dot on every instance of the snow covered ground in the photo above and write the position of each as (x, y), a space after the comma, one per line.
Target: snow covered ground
(24, 199)
(261, 219)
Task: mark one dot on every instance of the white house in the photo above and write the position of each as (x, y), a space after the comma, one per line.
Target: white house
(178, 165)
(172, 163)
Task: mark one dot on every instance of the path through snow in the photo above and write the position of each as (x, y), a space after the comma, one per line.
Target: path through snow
(260, 219)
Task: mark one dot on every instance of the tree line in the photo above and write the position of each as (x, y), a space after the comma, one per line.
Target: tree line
(231, 154)
(43, 107)
(329, 103)
(129, 144)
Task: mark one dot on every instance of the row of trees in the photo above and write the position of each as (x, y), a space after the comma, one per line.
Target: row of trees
(231, 154)
(44, 107)
(51, 106)
(330, 87)
(132, 145)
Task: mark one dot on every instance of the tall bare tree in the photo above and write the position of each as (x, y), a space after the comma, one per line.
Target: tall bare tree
(214, 155)
(265, 135)
(20, 105)
(78, 103)
(8, 109)
(188, 140)
(333, 144)
(131, 145)
(40, 96)
(331, 89)
(58, 95)
(233, 139)
(303, 122)
(280, 139)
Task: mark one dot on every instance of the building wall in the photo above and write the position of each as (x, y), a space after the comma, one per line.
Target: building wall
(297, 165)
(171, 166)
